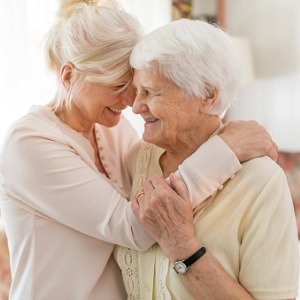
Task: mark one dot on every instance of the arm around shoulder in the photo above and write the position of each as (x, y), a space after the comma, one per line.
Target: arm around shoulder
(208, 168)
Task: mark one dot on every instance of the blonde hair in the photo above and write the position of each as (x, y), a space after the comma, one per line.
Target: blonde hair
(96, 38)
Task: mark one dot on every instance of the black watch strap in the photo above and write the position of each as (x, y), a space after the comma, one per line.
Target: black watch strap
(189, 261)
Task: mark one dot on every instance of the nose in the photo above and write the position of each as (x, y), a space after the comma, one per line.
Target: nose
(139, 106)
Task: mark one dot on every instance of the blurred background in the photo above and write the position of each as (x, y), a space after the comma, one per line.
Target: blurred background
(266, 37)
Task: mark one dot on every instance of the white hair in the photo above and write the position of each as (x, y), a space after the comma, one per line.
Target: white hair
(198, 57)
(96, 39)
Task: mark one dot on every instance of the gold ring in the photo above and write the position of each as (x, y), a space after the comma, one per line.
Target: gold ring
(139, 194)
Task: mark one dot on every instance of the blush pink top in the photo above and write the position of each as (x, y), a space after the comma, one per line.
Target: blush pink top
(63, 217)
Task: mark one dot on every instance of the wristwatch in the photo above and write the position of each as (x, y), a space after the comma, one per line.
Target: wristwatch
(181, 266)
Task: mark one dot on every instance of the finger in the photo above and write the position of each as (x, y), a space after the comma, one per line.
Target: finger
(179, 187)
(143, 198)
(140, 194)
(135, 206)
(273, 152)
(138, 203)
(148, 187)
(159, 183)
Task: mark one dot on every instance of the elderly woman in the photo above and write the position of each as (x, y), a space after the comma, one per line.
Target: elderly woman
(240, 243)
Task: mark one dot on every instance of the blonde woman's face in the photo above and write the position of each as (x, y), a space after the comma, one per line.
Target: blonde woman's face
(103, 104)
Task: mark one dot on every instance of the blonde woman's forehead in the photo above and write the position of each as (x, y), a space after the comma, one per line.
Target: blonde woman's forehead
(126, 79)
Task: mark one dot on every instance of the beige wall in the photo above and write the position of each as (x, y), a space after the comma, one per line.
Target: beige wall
(273, 27)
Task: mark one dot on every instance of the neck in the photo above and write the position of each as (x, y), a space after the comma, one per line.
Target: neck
(87, 129)
(69, 117)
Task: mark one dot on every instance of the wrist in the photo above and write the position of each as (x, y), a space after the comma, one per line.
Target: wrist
(182, 251)
(182, 266)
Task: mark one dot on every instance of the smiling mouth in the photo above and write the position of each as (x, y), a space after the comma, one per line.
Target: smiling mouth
(114, 109)
(151, 121)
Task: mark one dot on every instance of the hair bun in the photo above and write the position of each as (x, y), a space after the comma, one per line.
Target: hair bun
(67, 6)
(91, 2)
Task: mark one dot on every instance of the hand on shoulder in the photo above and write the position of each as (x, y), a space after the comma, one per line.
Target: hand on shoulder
(249, 139)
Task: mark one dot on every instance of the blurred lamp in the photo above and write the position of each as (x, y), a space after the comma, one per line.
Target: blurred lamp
(243, 51)
(275, 103)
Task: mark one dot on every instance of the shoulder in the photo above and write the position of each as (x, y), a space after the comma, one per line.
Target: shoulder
(39, 121)
(261, 183)
(36, 124)
(264, 183)
(261, 170)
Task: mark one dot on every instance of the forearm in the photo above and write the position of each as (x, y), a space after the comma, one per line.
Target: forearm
(208, 168)
(66, 182)
(206, 279)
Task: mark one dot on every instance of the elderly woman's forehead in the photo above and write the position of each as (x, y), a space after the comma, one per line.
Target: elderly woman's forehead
(152, 74)
(141, 73)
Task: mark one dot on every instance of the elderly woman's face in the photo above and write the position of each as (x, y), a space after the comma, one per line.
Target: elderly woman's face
(169, 117)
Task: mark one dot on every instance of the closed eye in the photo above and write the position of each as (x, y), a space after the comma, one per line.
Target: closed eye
(119, 88)
(147, 93)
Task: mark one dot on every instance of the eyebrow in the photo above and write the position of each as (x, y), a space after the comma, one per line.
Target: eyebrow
(145, 87)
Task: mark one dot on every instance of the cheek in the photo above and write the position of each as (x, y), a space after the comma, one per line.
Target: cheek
(101, 100)
(169, 124)
(131, 95)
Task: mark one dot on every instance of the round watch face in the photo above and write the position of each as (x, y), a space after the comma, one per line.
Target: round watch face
(180, 267)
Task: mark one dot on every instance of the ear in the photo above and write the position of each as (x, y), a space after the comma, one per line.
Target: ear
(207, 104)
(66, 72)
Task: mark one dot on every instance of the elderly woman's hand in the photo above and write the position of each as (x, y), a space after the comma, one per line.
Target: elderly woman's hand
(248, 139)
(167, 215)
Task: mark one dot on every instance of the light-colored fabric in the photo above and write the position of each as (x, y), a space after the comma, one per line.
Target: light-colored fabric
(5, 277)
(249, 226)
(49, 175)
(218, 163)
(203, 172)
(61, 215)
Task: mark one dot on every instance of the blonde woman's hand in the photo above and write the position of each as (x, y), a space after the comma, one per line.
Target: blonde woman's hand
(249, 139)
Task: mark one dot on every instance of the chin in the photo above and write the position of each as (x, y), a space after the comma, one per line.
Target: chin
(145, 138)
(110, 123)
(149, 139)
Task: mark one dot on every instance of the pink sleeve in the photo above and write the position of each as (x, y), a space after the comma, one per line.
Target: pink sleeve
(48, 177)
(208, 168)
